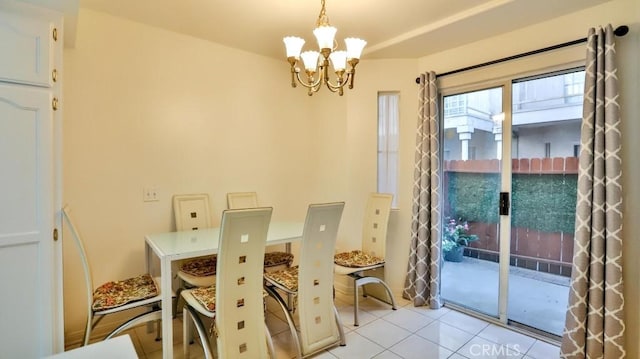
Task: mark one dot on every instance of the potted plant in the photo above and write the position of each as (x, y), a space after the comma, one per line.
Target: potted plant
(455, 236)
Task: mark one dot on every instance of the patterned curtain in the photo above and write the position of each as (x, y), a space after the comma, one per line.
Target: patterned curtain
(595, 317)
(422, 284)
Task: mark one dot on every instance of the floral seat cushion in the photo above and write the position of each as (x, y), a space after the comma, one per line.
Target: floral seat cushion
(287, 278)
(117, 293)
(207, 297)
(356, 259)
(200, 267)
(272, 259)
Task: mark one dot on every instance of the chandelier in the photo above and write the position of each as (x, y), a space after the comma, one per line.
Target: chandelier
(313, 63)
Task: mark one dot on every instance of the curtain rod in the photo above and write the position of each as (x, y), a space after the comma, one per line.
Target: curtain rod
(619, 31)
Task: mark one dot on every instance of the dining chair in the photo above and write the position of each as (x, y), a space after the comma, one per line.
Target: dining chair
(235, 303)
(273, 260)
(192, 212)
(237, 200)
(320, 326)
(131, 294)
(356, 263)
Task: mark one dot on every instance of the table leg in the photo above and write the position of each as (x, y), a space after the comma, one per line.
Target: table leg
(149, 256)
(287, 248)
(167, 316)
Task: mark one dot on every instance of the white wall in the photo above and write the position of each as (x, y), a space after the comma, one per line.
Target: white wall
(360, 160)
(145, 107)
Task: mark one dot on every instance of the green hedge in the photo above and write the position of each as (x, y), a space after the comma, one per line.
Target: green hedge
(544, 202)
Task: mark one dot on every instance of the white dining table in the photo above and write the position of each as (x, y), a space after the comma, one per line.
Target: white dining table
(120, 347)
(173, 246)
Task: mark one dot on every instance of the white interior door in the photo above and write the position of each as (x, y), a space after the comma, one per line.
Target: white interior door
(26, 222)
(30, 56)
(31, 319)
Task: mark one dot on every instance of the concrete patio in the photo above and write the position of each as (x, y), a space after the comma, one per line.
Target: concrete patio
(536, 299)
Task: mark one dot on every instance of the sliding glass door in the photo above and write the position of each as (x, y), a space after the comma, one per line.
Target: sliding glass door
(546, 120)
(472, 150)
(517, 217)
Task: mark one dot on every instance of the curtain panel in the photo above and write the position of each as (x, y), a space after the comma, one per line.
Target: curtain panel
(422, 284)
(594, 326)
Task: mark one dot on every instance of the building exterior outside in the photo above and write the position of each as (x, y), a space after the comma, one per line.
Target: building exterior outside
(547, 113)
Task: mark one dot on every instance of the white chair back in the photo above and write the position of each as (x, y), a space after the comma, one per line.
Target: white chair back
(240, 200)
(318, 326)
(191, 211)
(239, 296)
(88, 281)
(374, 227)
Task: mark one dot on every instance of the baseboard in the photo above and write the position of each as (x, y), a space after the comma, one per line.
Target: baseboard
(73, 339)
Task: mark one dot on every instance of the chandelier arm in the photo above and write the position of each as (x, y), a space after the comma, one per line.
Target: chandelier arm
(313, 85)
(335, 88)
(325, 71)
(312, 90)
(352, 71)
(292, 61)
(294, 71)
(316, 86)
(342, 81)
(324, 67)
(351, 76)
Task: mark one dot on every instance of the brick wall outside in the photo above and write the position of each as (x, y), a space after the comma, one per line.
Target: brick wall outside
(555, 165)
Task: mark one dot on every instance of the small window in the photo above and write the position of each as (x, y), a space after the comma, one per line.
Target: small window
(388, 119)
(576, 150)
(574, 87)
(547, 149)
(455, 105)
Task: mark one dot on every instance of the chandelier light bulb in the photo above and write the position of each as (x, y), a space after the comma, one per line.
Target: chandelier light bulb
(354, 47)
(338, 60)
(293, 45)
(325, 36)
(310, 60)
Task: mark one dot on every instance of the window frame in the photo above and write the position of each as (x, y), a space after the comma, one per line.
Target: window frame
(388, 143)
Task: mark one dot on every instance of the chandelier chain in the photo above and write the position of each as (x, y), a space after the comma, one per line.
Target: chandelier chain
(323, 19)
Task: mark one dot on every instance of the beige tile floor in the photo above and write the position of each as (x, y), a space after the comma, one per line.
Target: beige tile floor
(408, 333)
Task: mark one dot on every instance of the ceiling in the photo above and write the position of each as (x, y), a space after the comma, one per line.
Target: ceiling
(392, 28)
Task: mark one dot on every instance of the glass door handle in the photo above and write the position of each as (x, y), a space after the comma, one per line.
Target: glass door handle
(504, 203)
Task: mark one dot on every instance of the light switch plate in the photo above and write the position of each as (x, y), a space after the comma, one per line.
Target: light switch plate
(150, 194)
